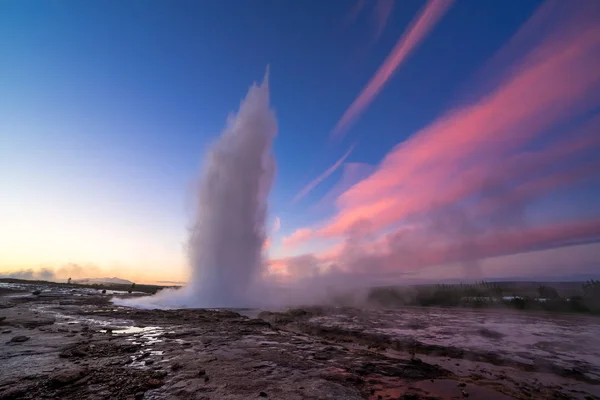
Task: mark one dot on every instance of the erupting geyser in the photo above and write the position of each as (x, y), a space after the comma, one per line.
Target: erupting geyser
(225, 243)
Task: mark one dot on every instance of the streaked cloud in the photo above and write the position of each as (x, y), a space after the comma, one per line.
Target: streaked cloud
(457, 190)
(355, 11)
(381, 13)
(299, 236)
(406, 251)
(415, 33)
(305, 190)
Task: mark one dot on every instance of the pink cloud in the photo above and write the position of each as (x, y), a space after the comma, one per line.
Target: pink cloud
(352, 173)
(405, 250)
(299, 236)
(422, 171)
(465, 179)
(276, 225)
(266, 244)
(415, 33)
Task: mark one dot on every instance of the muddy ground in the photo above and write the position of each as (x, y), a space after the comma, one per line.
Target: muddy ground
(78, 345)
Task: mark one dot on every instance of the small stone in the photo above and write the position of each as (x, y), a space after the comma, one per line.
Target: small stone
(36, 292)
(262, 394)
(154, 383)
(66, 376)
(462, 384)
(19, 339)
(206, 378)
(149, 362)
(201, 372)
(176, 366)
(139, 395)
(465, 394)
(7, 331)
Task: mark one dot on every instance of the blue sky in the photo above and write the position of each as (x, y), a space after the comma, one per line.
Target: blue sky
(106, 108)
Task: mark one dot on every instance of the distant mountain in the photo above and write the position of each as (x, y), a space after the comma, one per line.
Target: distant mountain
(103, 281)
(172, 282)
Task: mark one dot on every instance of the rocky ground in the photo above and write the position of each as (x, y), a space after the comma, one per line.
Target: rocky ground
(80, 345)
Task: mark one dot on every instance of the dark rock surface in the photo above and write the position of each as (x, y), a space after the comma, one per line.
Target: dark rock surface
(84, 347)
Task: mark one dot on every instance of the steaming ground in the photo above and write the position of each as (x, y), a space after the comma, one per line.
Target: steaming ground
(225, 244)
(69, 342)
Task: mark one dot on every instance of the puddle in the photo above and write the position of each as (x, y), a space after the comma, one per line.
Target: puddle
(135, 329)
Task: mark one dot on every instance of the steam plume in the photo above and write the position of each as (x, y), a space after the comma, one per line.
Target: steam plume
(226, 239)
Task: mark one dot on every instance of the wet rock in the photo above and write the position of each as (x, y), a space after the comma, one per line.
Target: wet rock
(139, 395)
(464, 393)
(149, 362)
(32, 322)
(77, 351)
(14, 392)
(129, 348)
(262, 394)
(36, 292)
(154, 383)
(159, 374)
(488, 333)
(19, 339)
(462, 384)
(6, 331)
(66, 376)
(201, 372)
(410, 396)
(322, 356)
(176, 366)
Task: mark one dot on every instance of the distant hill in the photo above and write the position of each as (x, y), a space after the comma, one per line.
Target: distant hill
(103, 281)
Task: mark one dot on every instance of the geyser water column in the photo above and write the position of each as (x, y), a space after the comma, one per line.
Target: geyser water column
(228, 232)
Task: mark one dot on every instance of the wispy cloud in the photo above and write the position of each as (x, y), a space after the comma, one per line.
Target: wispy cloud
(463, 182)
(305, 190)
(382, 11)
(276, 224)
(413, 249)
(415, 33)
(355, 11)
(352, 173)
(299, 236)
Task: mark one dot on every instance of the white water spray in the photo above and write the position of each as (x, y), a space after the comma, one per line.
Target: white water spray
(226, 240)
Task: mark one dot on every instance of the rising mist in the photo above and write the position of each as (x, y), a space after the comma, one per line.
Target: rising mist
(228, 231)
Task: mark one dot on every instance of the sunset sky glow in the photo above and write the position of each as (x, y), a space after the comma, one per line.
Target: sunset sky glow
(418, 140)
